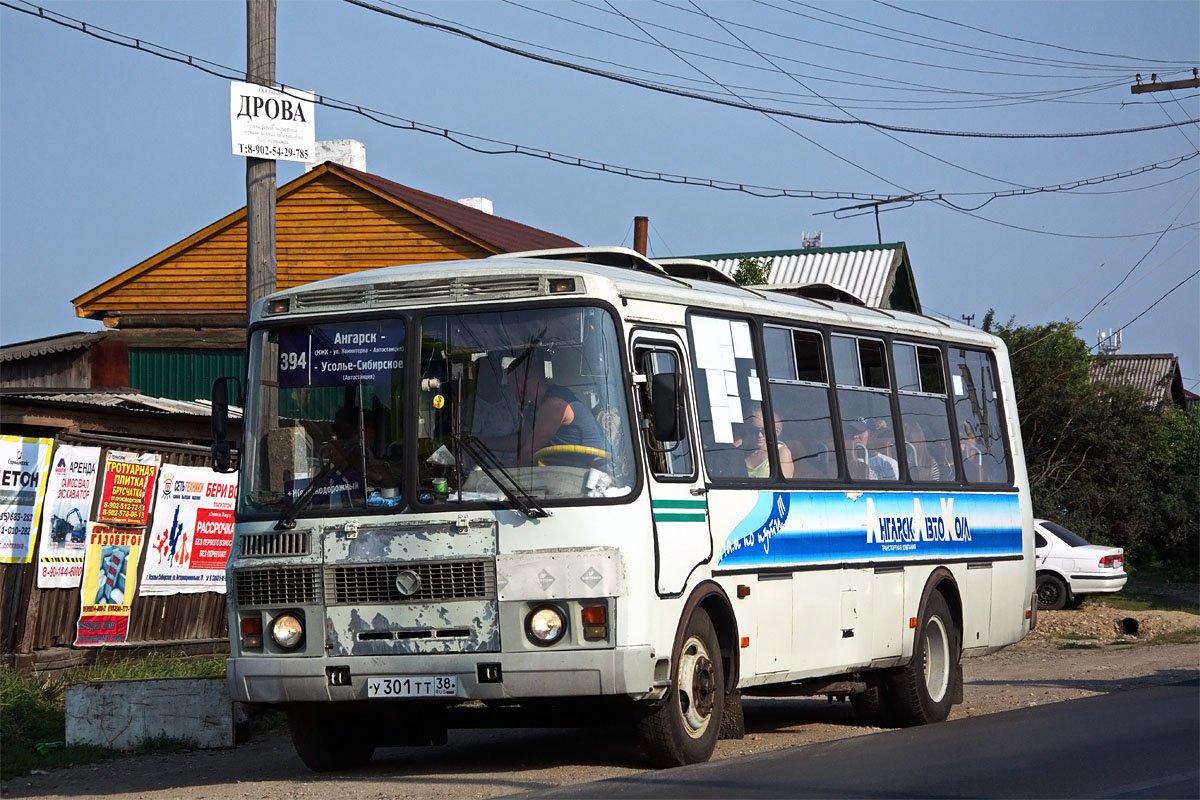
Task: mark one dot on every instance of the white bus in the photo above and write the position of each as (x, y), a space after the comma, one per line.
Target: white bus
(629, 491)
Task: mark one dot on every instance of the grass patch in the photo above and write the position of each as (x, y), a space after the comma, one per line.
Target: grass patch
(32, 713)
(1075, 637)
(1182, 636)
(1079, 645)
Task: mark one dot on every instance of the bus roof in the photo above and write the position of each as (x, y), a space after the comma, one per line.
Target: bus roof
(606, 272)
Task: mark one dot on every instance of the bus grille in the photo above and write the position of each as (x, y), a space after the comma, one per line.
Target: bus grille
(407, 293)
(440, 580)
(275, 543)
(272, 587)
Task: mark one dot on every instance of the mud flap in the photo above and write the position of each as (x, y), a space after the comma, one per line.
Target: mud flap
(733, 721)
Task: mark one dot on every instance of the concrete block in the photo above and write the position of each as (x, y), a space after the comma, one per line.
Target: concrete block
(122, 715)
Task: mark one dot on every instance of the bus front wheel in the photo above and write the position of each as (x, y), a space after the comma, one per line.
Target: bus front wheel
(923, 691)
(326, 743)
(683, 729)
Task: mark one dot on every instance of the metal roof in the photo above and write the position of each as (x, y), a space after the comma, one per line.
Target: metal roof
(867, 272)
(125, 400)
(504, 234)
(50, 344)
(1155, 375)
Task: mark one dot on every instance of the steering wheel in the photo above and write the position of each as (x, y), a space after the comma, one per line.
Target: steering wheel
(572, 449)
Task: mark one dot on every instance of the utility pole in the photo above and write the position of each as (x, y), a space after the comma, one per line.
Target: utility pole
(260, 172)
(969, 319)
(1154, 86)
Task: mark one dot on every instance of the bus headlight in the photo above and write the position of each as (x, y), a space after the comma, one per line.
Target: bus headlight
(287, 631)
(545, 625)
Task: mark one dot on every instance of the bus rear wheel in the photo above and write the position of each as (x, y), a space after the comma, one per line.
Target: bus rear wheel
(683, 729)
(327, 742)
(923, 691)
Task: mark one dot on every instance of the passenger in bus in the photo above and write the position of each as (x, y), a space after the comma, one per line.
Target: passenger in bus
(758, 460)
(923, 462)
(972, 456)
(551, 415)
(863, 462)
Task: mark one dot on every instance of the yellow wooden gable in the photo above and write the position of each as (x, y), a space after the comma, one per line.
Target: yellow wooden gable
(330, 221)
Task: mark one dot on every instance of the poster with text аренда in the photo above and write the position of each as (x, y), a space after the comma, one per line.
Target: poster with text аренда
(24, 468)
(109, 580)
(128, 488)
(62, 541)
(192, 531)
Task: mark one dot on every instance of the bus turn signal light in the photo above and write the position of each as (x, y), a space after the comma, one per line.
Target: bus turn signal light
(595, 622)
(252, 632)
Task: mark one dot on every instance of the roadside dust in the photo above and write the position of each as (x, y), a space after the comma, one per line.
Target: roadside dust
(1071, 654)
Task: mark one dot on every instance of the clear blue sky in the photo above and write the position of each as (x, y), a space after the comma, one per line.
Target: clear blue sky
(109, 155)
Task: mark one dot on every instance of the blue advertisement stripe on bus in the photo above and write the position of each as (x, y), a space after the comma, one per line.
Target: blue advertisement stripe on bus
(811, 527)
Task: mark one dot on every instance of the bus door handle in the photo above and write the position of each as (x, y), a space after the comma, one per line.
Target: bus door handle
(698, 490)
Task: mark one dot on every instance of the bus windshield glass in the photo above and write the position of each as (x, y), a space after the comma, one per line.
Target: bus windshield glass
(323, 431)
(526, 402)
(508, 404)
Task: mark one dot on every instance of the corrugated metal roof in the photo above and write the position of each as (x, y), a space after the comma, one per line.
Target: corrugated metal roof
(504, 234)
(1154, 375)
(124, 400)
(49, 344)
(868, 272)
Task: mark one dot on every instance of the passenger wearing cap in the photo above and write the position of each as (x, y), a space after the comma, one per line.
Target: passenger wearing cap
(551, 415)
(863, 463)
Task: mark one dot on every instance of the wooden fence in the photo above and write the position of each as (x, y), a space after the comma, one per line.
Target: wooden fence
(38, 625)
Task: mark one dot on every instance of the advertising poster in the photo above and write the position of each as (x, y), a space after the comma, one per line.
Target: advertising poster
(109, 580)
(24, 469)
(63, 538)
(192, 531)
(128, 488)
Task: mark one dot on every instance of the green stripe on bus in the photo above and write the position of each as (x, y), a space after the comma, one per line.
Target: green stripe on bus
(679, 504)
(679, 517)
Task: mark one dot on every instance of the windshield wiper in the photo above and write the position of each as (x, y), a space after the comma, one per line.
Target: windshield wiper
(491, 466)
(319, 481)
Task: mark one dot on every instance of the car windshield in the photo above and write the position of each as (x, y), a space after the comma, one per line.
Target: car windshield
(510, 408)
(1073, 539)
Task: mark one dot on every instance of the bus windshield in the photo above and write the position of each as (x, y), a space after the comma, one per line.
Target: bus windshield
(507, 404)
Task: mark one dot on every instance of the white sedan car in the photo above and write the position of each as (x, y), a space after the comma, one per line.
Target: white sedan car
(1068, 567)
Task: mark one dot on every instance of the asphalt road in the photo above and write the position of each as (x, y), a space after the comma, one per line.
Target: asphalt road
(1138, 743)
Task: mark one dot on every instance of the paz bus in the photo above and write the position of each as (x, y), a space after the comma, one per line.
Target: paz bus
(764, 494)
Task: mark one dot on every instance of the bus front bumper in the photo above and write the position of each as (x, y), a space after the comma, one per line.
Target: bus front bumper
(627, 671)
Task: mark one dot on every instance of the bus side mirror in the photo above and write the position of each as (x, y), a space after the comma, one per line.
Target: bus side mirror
(664, 398)
(222, 447)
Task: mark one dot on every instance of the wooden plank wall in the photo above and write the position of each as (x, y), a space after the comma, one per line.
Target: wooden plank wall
(326, 228)
(42, 619)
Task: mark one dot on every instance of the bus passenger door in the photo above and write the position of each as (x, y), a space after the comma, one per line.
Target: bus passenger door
(679, 509)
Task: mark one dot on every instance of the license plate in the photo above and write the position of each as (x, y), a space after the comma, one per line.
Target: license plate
(413, 686)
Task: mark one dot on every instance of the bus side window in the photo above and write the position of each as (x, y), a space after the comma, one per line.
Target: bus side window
(728, 392)
(865, 404)
(981, 439)
(924, 416)
(798, 379)
(668, 458)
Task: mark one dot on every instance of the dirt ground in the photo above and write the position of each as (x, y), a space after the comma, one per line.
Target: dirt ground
(1072, 654)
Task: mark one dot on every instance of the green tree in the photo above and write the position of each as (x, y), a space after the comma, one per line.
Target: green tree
(751, 271)
(1101, 460)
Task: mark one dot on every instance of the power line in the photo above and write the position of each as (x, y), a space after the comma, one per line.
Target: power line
(1026, 41)
(446, 28)
(1156, 302)
(490, 146)
(1031, 58)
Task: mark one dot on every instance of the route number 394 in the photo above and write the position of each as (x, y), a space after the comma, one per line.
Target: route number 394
(293, 361)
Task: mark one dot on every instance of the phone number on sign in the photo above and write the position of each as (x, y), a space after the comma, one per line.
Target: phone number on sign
(273, 151)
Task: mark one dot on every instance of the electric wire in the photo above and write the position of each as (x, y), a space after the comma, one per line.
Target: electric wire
(507, 148)
(1146, 311)
(1026, 41)
(457, 31)
(891, 29)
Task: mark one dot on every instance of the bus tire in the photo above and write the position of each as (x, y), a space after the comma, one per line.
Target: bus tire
(326, 743)
(873, 706)
(923, 691)
(683, 729)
